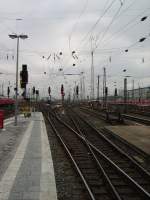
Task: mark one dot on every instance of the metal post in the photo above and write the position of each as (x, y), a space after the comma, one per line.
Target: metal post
(83, 88)
(2, 89)
(104, 88)
(30, 99)
(34, 102)
(92, 77)
(125, 95)
(132, 90)
(98, 87)
(139, 93)
(75, 91)
(16, 95)
(62, 99)
(15, 36)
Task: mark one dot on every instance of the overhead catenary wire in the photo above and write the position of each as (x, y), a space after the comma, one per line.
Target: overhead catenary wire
(125, 28)
(108, 27)
(121, 5)
(74, 27)
(126, 9)
(76, 23)
(116, 51)
(103, 50)
(134, 43)
(98, 20)
(106, 9)
(127, 48)
(123, 11)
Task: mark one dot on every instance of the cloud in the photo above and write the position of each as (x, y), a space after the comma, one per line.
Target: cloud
(49, 23)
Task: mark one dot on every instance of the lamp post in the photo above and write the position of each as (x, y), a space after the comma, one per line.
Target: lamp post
(98, 77)
(115, 91)
(125, 94)
(15, 36)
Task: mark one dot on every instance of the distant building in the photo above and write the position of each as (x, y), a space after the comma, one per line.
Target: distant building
(138, 94)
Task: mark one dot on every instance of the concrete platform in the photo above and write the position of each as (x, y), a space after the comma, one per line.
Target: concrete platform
(136, 135)
(30, 173)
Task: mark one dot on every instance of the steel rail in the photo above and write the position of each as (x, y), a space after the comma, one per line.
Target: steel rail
(115, 146)
(113, 189)
(102, 116)
(107, 180)
(131, 148)
(137, 119)
(72, 159)
(138, 188)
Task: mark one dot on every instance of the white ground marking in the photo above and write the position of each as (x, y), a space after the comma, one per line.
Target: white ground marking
(11, 120)
(47, 181)
(8, 178)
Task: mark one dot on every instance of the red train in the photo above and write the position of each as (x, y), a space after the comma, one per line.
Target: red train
(6, 101)
(133, 104)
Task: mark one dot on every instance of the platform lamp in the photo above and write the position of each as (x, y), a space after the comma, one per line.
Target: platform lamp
(15, 36)
(125, 91)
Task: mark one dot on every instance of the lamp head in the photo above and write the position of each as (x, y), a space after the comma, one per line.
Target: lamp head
(13, 36)
(23, 36)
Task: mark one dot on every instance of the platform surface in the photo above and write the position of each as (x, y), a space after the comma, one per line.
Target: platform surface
(30, 173)
(136, 135)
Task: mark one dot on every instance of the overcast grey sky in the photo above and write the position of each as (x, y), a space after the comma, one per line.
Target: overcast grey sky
(66, 26)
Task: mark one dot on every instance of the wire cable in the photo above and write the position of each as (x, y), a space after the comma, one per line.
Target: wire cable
(98, 20)
(107, 29)
(117, 53)
(124, 28)
(76, 23)
(127, 8)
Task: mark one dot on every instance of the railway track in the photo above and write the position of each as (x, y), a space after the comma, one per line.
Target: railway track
(107, 117)
(140, 156)
(82, 160)
(140, 119)
(102, 178)
(115, 154)
(112, 119)
(142, 113)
